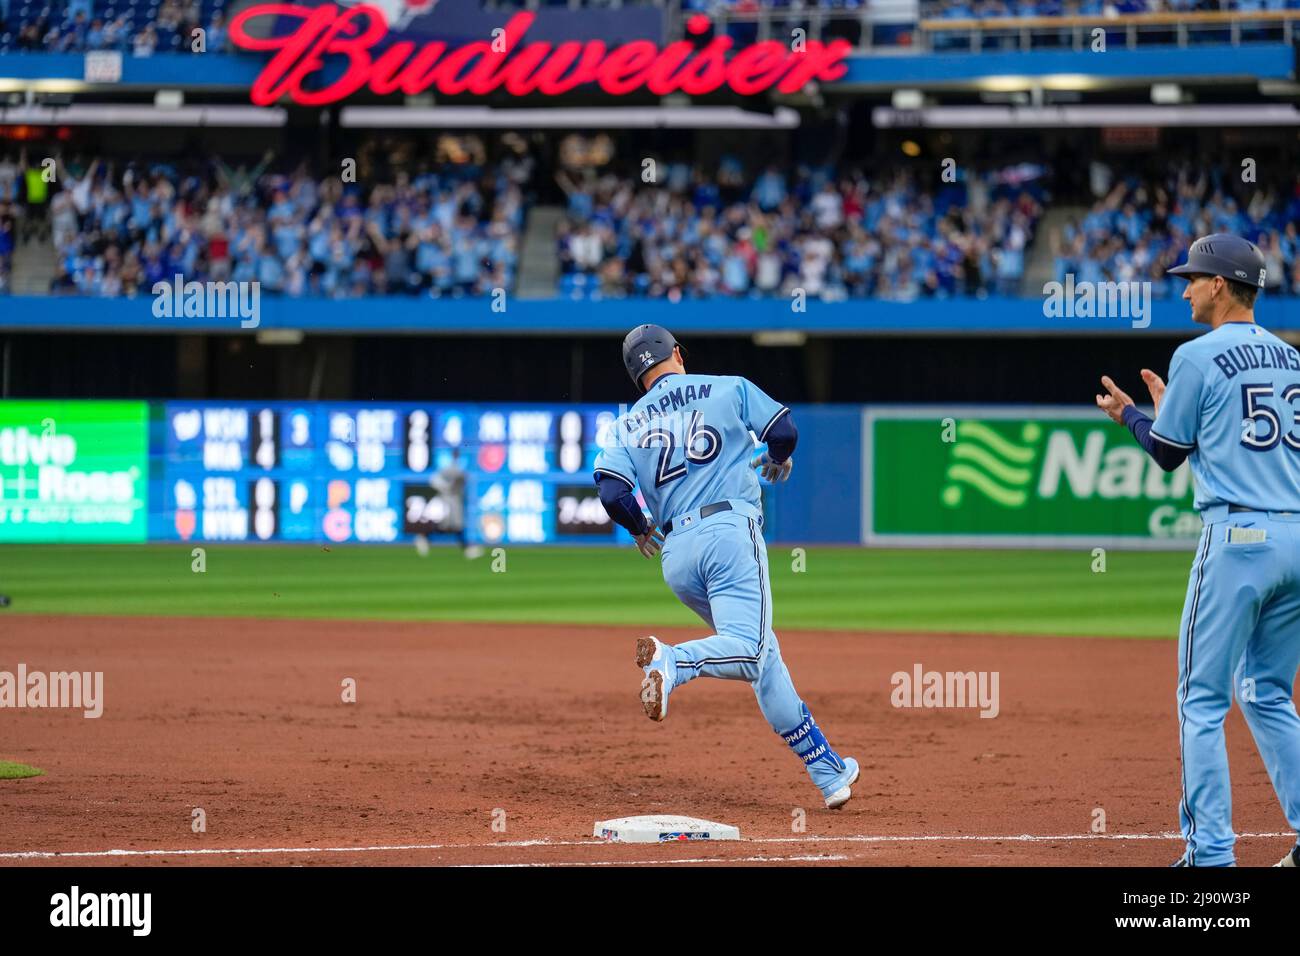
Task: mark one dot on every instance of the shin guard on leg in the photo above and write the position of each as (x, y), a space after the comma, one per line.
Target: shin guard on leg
(827, 770)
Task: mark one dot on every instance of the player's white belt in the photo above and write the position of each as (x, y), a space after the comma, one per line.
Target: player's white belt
(688, 519)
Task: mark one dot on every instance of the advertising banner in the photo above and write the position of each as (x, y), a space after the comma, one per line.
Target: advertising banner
(326, 52)
(73, 471)
(1016, 477)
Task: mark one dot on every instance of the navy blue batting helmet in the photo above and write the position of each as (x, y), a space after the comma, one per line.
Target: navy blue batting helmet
(645, 347)
(1223, 254)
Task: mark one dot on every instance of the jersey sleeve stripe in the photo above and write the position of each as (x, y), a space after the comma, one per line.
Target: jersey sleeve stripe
(613, 474)
(768, 427)
(1169, 441)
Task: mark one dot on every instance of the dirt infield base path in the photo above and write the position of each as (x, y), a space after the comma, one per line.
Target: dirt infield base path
(459, 730)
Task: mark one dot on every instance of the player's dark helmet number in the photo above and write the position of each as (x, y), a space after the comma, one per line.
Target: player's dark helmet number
(703, 446)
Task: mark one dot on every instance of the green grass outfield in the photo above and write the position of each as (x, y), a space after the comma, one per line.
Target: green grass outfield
(1028, 592)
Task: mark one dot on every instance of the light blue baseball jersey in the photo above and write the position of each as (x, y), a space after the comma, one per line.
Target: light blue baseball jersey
(687, 442)
(1233, 397)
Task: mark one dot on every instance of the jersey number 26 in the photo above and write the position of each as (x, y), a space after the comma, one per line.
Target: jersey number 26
(703, 445)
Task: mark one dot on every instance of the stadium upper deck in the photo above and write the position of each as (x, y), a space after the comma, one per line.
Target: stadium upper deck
(852, 219)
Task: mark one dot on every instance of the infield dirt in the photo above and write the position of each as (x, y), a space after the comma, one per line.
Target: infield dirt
(468, 743)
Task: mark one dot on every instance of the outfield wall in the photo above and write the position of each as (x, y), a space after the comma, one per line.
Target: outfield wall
(349, 472)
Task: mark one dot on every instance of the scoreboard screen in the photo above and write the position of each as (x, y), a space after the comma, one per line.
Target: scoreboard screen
(330, 472)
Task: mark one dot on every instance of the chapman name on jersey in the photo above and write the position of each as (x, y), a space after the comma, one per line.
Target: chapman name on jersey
(673, 400)
(688, 442)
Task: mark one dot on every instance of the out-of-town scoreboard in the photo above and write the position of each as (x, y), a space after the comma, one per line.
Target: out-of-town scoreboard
(283, 471)
(366, 473)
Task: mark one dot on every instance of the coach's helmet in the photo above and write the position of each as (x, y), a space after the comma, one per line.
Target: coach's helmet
(645, 347)
(1223, 254)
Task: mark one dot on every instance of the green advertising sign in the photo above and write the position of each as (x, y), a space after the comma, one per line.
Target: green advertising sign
(1027, 476)
(73, 471)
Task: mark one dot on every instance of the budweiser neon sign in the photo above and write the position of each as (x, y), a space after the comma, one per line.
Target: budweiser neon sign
(509, 63)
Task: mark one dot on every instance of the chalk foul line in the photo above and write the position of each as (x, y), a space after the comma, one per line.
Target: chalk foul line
(521, 844)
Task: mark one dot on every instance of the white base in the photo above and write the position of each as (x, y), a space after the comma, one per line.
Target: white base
(663, 829)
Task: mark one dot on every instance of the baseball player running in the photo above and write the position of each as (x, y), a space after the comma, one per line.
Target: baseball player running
(1232, 410)
(449, 482)
(687, 442)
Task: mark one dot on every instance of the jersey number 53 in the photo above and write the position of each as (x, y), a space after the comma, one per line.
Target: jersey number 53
(1256, 412)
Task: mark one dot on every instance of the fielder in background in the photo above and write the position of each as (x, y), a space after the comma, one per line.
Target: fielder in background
(1232, 411)
(688, 443)
(449, 482)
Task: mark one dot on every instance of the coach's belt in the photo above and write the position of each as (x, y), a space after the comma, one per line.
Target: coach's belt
(705, 512)
(1220, 513)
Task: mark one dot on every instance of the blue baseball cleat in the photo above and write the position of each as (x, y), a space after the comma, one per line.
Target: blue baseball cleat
(652, 654)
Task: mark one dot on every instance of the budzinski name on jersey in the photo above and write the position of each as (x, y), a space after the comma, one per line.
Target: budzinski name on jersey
(1242, 358)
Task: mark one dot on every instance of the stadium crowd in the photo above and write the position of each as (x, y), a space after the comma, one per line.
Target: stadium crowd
(963, 9)
(145, 27)
(6, 244)
(1141, 225)
(117, 228)
(135, 27)
(455, 228)
(832, 233)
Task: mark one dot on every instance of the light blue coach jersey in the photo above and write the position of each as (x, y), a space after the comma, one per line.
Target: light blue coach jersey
(1234, 398)
(687, 442)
